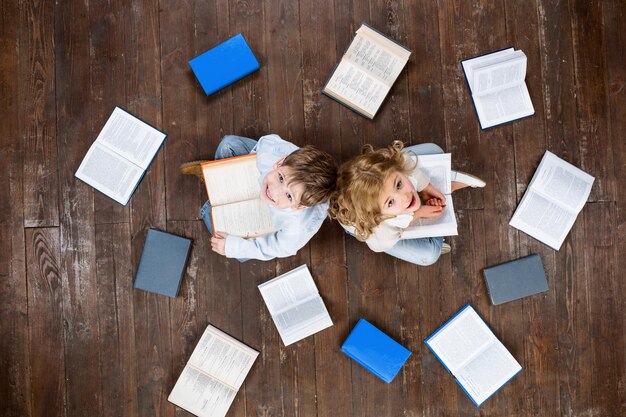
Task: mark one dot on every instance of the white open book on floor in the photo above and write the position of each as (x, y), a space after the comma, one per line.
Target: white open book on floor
(552, 201)
(367, 71)
(498, 88)
(232, 185)
(214, 373)
(295, 305)
(438, 168)
(470, 351)
(120, 156)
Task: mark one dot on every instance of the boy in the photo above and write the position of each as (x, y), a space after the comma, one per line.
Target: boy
(295, 182)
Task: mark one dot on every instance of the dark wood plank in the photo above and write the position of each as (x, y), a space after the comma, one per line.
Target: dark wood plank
(107, 85)
(38, 114)
(77, 265)
(118, 348)
(47, 363)
(605, 312)
(529, 137)
(14, 344)
(591, 96)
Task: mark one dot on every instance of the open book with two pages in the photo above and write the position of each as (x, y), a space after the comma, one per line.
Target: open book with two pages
(438, 168)
(213, 375)
(234, 191)
(470, 351)
(552, 201)
(120, 156)
(295, 305)
(498, 89)
(367, 71)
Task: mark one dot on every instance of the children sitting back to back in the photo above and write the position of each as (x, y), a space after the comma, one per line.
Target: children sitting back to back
(296, 183)
(381, 192)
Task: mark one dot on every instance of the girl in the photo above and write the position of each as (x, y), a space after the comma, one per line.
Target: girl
(381, 192)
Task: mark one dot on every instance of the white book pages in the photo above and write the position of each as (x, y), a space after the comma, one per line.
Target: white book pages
(501, 106)
(295, 305)
(109, 173)
(355, 87)
(131, 137)
(232, 180)
(216, 370)
(481, 61)
(498, 75)
(250, 218)
(555, 196)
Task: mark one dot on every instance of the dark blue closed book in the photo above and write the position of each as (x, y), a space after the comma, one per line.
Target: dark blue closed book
(223, 65)
(162, 263)
(375, 351)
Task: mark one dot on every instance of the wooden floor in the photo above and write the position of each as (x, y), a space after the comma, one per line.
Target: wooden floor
(77, 340)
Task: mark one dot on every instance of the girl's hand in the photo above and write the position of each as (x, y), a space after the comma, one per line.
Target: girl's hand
(435, 202)
(428, 211)
(218, 243)
(430, 192)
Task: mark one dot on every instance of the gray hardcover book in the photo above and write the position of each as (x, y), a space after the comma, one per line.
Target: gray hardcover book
(162, 263)
(515, 279)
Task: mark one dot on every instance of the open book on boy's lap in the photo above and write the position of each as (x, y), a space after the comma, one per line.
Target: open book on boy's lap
(233, 188)
(499, 92)
(437, 167)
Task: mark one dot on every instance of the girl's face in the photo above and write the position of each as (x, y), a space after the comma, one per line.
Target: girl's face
(398, 196)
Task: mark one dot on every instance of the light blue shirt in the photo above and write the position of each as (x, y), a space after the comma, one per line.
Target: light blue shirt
(295, 227)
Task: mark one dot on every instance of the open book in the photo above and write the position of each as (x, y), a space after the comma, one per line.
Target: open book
(438, 169)
(367, 71)
(120, 155)
(470, 351)
(498, 88)
(295, 305)
(553, 199)
(209, 382)
(233, 188)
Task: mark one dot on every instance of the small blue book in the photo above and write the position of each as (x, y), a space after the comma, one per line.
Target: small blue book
(470, 351)
(224, 64)
(162, 263)
(375, 351)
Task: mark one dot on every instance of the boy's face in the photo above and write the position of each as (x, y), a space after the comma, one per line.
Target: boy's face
(398, 196)
(277, 191)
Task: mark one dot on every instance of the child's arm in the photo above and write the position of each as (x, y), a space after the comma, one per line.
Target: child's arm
(430, 192)
(427, 211)
(280, 244)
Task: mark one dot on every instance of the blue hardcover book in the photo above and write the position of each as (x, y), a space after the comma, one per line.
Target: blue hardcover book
(223, 65)
(162, 263)
(470, 351)
(375, 351)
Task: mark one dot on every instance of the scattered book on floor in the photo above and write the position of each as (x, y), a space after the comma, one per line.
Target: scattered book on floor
(375, 351)
(162, 264)
(367, 71)
(515, 279)
(498, 89)
(470, 351)
(213, 375)
(120, 156)
(438, 168)
(224, 64)
(556, 194)
(295, 305)
(233, 188)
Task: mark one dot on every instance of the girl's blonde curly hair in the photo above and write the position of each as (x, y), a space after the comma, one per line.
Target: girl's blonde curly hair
(359, 184)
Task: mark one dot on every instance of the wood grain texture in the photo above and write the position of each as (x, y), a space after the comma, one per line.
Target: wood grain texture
(76, 339)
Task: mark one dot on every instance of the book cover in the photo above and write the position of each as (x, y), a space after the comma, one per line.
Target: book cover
(515, 279)
(162, 263)
(375, 351)
(224, 64)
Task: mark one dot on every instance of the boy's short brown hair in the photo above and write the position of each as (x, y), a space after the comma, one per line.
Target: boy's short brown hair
(316, 170)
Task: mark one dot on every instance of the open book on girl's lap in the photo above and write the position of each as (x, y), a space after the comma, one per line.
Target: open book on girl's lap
(438, 168)
(233, 188)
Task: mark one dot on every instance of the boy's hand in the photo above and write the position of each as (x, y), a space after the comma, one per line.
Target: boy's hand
(218, 243)
(430, 192)
(428, 211)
